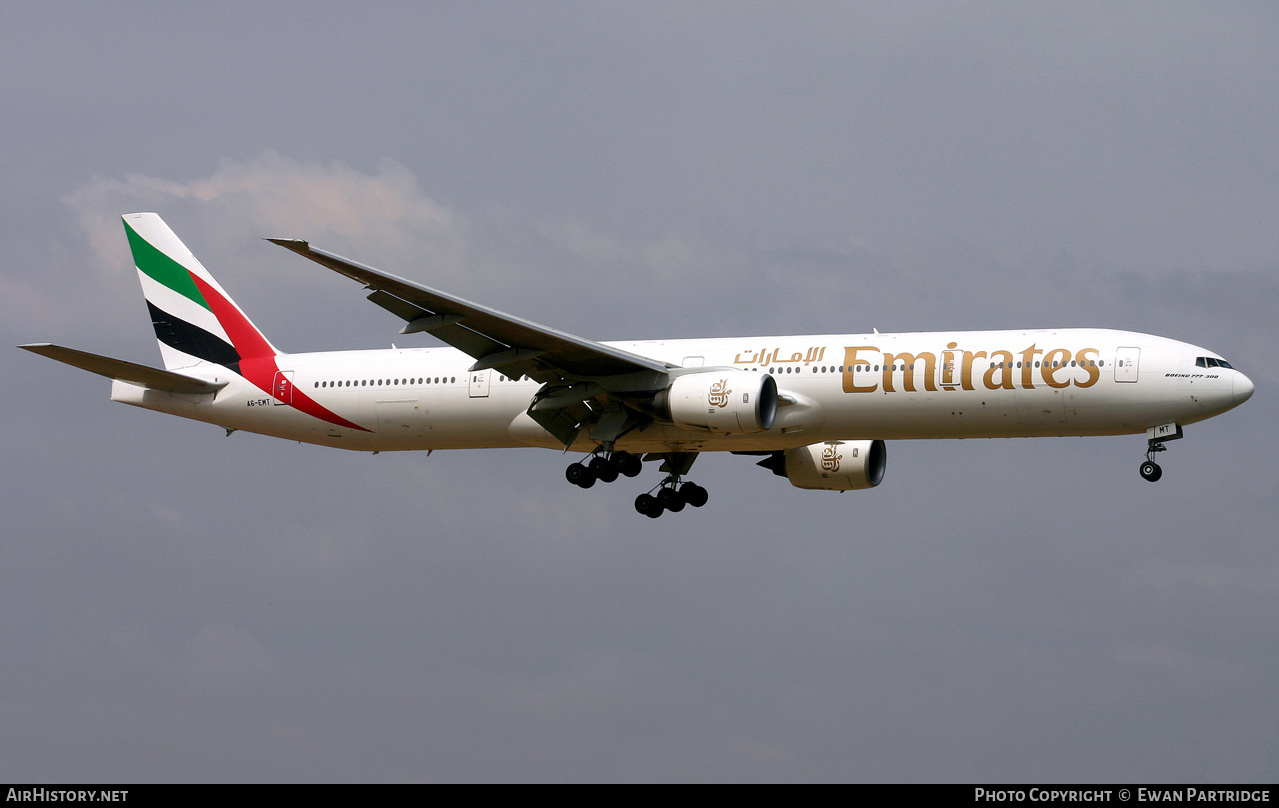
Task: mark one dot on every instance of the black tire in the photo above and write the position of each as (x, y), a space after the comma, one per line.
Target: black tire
(648, 506)
(669, 499)
(579, 475)
(694, 494)
(628, 464)
(603, 470)
(1151, 471)
(675, 502)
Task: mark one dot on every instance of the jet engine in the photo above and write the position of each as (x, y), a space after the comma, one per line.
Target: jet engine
(837, 466)
(726, 402)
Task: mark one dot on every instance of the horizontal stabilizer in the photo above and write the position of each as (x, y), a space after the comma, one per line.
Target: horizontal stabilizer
(126, 371)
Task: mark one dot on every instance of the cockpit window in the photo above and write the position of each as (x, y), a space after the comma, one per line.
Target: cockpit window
(1209, 362)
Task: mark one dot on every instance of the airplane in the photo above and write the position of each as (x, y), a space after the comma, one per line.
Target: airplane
(816, 409)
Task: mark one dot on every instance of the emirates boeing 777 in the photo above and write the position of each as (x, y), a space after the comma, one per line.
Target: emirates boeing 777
(817, 409)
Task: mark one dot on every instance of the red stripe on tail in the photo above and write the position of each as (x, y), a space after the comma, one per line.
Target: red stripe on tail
(257, 357)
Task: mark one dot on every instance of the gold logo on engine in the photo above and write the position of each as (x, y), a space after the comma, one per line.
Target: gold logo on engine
(831, 458)
(719, 393)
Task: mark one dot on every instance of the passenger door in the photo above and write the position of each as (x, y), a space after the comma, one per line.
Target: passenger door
(1126, 360)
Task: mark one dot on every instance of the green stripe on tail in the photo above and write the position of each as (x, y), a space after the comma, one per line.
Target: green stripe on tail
(163, 269)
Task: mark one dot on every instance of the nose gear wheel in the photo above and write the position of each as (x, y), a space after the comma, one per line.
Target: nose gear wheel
(1150, 470)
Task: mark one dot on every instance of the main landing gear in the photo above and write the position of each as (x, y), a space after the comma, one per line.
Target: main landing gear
(672, 494)
(604, 468)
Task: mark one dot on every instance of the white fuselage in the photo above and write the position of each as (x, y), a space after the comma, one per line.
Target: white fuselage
(1019, 383)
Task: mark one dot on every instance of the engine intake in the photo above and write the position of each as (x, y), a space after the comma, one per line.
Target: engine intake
(726, 402)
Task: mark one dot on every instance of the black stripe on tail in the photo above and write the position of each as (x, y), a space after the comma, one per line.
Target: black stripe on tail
(190, 339)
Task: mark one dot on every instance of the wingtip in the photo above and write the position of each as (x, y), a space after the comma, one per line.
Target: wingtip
(294, 244)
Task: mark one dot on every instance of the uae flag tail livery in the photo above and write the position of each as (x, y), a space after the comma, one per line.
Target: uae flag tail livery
(195, 319)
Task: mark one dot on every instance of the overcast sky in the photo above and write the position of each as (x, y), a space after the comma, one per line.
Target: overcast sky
(179, 605)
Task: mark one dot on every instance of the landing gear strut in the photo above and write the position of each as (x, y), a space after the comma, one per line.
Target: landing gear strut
(1155, 437)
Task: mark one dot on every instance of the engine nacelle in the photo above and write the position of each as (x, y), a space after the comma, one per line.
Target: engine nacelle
(837, 466)
(726, 402)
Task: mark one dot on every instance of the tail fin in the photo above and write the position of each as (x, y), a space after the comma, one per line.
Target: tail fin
(195, 320)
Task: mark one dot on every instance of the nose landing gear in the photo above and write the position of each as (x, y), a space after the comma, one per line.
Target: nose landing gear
(1151, 470)
(1155, 437)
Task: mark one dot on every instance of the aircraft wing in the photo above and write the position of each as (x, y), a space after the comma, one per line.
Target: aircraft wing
(153, 378)
(512, 345)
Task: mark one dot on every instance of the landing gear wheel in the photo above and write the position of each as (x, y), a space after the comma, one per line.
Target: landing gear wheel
(670, 499)
(648, 506)
(604, 470)
(579, 475)
(693, 494)
(627, 463)
(1151, 471)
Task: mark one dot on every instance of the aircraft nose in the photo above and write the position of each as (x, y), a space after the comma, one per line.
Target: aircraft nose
(1243, 388)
